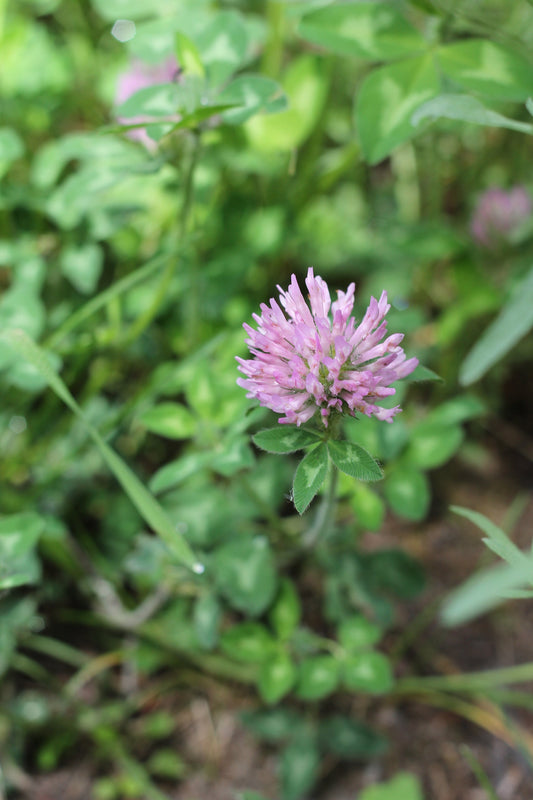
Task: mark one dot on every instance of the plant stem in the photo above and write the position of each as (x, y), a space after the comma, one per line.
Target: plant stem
(166, 279)
(468, 682)
(324, 516)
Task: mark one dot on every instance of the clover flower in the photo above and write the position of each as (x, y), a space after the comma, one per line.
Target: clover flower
(318, 358)
(499, 214)
(138, 76)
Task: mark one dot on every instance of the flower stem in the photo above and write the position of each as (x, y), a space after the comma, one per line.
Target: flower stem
(324, 516)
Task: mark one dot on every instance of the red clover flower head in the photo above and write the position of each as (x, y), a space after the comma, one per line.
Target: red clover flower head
(499, 214)
(318, 358)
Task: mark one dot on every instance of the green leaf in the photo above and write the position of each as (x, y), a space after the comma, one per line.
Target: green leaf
(459, 409)
(19, 533)
(176, 472)
(483, 591)
(394, 572)
(251, 94)
(188, 57)
(151, 511)
(82, 266)
(206, 617)
(300, 762)
(245, 574)
(248, 642)
(133, 9)
(386, 101)
(354, 461)
(11, 148)
(466, 109)
(403, 786)
(514, 321)
(368, 507)
(305, 85)
(433, 444)
(367, 672)
(487, 67)
(232, 455)
(223, 44)
(357, 633)
(496, 539)
(286, 612)
(407, 492)
(310, 476)
(284, 439)
(171, 420)
(348, 738)
(273, 725)
(366, 30)
(319, 677)
(277, 676)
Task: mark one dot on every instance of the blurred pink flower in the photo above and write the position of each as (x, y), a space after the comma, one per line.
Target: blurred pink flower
(139, 76)
(309, 359)
(498, 214)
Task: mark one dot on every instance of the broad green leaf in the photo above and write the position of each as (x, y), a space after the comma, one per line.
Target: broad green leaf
(299, 766)
(223, 44)
(11, 148)
(151, 511)
(273, 725)
(286, 611)
(433, 444)
(496, 539)
(172, 420)
(394, 572)
(232, 455)
(386, 101)
(310, 476)
(466, 109)
(459, 409)
(367, 672)
(19, 533)
(277, 676)
(82, 266)
(392, 439)
(514, 321)
(161, 100)
(487, 67)
(348, 738)
(367, 30)
(284, 439)
(248, 642)
(318, 677)
(176, 472)
(305, 85)
(188, 57)
(354, 461)
(407, 492)
(367, 506)
(403, 786)
(135, 9)
(251, 94)
(245, 574)
(357, 633)
(206, 616)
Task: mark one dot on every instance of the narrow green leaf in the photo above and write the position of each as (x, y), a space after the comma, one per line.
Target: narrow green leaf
(310, 476)
(151, 511)
(286, 612)
(403, 786)
(354, 461)
(466, 109)
(284, 439)
(188, 57)
(386, 101)
(497, 540)
(513, 322)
